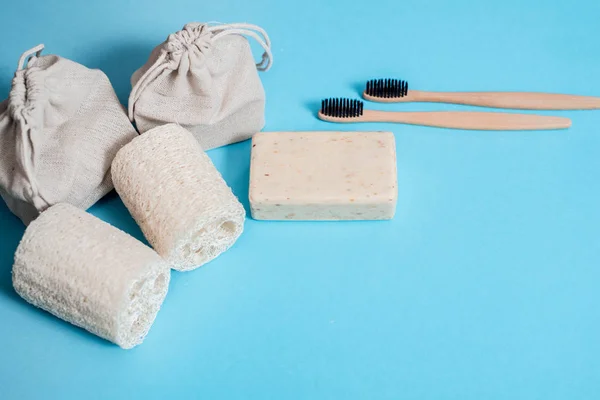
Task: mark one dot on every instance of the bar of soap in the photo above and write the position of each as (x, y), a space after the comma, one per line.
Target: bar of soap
(323, 175)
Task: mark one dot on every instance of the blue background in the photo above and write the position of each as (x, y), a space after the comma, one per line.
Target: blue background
(484, 286)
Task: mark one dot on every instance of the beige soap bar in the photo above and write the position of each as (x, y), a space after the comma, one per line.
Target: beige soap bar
(323, 176)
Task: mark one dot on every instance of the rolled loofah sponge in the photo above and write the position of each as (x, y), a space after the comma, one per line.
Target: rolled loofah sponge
(178, 198)
(91, 274)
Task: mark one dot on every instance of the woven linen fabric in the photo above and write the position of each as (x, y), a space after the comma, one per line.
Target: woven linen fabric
(205, 79)
(59, 131)
(178, 198)
(91, 274)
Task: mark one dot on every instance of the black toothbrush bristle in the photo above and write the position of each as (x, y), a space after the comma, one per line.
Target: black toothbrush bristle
(387, 88)
(341, 108)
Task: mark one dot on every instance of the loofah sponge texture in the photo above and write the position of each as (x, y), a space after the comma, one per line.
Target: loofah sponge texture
(91, 274)
(176, 195)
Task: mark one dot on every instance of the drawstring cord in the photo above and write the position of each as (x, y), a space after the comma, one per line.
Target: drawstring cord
(161, 63)
(37, 50)
(248, 30)
(24, 145)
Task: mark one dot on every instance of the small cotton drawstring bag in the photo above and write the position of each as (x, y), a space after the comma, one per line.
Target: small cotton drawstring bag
(205, 79)
(60, 129)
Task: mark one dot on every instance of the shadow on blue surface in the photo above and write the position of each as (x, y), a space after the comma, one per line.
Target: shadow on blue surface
(359, 87)
(12, 231)
(235, 169)
(313, 106)
(111, 209)
(5, 82)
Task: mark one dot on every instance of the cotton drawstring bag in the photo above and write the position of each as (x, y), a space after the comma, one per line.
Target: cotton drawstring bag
(60, 128)
(205, 79)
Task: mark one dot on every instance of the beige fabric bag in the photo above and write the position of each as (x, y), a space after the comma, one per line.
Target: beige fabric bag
(204, 78)
(60, 128)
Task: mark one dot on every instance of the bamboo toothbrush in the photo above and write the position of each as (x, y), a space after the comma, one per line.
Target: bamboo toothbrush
(348, 111)
(396, 91)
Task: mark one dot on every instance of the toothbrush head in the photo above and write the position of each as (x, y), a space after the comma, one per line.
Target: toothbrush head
(341, 108)
(386, 88)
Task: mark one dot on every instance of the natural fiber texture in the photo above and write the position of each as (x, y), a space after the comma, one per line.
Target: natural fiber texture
(178, 198)
(59, 131)
(90, 274)
(203, 78)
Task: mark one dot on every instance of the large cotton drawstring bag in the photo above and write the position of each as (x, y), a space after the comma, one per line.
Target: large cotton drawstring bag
(205, 79)
(60, 128)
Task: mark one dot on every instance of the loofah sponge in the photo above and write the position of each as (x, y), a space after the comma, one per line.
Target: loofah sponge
(176, 195)
(91, 274)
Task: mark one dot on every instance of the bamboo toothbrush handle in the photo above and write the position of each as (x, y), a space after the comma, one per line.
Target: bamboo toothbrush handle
(469, 120)
(513, 100)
